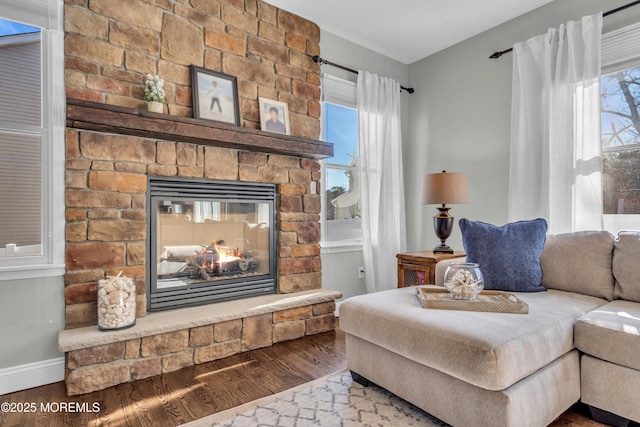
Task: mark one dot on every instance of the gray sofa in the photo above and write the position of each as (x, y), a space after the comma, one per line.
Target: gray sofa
(580, 341)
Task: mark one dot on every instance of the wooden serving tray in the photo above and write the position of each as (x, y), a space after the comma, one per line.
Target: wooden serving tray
(488, 301)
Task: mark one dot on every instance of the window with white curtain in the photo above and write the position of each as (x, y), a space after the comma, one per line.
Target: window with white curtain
(341, 220)
(32, 105)
(621, 128)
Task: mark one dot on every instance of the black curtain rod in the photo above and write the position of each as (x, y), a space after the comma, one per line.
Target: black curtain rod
(319, 60)
(498, 54)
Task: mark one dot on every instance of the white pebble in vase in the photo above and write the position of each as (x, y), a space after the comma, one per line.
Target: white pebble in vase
(116, 303)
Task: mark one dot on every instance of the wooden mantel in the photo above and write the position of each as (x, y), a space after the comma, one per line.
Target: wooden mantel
(127, 121)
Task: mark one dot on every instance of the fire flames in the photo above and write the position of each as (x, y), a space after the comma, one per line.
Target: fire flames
(225, 254)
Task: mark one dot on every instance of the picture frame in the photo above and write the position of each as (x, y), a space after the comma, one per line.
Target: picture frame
(274, 116)
(215, 96)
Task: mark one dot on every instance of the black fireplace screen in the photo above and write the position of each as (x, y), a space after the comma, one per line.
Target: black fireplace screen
(209, 241)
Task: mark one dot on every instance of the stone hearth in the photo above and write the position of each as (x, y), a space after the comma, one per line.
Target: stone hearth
(170, 340)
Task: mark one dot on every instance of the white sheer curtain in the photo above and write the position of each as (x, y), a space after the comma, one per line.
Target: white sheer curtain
(383, 216)
(555, 170)
(206, 211)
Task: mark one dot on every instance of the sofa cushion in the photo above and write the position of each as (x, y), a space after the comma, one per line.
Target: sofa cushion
(626, 268)
(579, 262)
(612, 332)
(489, 350)
(441, 269)
(509, 256)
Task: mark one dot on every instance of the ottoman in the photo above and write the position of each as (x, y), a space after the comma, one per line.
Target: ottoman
(470, 368)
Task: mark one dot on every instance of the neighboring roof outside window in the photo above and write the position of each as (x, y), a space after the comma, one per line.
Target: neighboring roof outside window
(10, 28)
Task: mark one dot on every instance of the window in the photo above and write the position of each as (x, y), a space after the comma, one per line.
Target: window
(341, 175)
(21, 138)
(31, 140)
(620, 86)
(621, 141)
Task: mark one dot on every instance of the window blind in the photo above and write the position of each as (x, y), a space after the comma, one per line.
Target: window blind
(339, 91)
(620, 48)
(38, 13)
(21, 140)
(20, 88)
(21, 195)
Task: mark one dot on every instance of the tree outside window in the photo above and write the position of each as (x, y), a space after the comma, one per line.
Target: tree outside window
(621, 141)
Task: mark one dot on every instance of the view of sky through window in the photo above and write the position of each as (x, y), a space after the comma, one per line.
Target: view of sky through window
(341, 128)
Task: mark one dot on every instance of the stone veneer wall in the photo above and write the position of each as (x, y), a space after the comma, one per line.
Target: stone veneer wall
(103, 366)
(106, 226)
(110, 45)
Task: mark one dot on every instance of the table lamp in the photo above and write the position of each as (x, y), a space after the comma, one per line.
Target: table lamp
(443, 189)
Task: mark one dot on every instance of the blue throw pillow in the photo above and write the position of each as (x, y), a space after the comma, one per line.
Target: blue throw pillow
(509, 256)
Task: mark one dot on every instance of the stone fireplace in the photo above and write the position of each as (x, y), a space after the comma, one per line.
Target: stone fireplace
(116, 154)
(109, 168)
(116, 178)
(209, 241)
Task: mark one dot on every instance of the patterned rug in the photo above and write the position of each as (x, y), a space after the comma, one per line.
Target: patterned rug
(332, 401)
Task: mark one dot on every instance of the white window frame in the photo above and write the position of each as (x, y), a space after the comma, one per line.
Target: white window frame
(48, 16)
(340, 92)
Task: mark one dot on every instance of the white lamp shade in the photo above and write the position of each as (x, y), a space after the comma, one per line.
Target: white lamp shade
(445, 189)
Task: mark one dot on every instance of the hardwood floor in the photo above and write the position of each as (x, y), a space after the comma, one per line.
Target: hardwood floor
(195, 392)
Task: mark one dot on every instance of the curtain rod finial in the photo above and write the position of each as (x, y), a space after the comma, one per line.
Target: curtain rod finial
(495, 55)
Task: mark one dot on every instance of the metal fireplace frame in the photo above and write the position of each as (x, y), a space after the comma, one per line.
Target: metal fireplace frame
(188, 189)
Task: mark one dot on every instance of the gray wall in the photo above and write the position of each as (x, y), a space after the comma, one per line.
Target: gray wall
(460, 115)
(340, 270)
(31, 315)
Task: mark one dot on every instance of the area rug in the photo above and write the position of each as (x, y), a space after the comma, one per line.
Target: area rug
(334, 400)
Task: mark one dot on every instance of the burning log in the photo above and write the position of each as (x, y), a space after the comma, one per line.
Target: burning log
(216, 260)
(203, 274)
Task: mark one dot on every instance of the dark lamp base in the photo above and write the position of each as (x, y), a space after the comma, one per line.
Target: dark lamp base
(443, 226)
(442, 249)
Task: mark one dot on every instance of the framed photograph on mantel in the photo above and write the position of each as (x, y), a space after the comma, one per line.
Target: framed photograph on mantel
(274, 116)
(215, 96)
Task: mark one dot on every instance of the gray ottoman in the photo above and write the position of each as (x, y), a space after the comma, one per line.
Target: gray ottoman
(469, 368)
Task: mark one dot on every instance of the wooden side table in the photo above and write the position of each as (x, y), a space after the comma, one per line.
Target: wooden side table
(419, 268)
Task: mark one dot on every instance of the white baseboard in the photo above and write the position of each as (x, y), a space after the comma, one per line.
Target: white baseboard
(21, 377)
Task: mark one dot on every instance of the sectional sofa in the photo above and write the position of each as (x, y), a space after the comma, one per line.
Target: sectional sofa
(580, 341)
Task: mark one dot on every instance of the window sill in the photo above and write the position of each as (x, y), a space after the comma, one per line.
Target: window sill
(616, 223)
(31, 271)
(339, 247)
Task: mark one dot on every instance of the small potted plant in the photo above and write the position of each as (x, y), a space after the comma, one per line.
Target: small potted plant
(154, 93)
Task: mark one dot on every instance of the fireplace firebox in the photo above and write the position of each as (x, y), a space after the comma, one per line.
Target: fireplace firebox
(209, 241)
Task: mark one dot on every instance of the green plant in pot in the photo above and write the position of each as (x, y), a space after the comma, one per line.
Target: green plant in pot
(154, 93)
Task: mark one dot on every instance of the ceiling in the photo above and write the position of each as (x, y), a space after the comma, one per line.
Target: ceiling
(407, 30)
